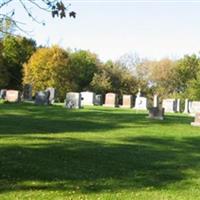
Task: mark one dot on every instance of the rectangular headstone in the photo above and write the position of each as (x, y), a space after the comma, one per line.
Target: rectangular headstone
(156, 113)
(27, 92)
(127, 101)
(12, 96)
(87, 98)
(141, 103)
(197, 120)
(42, 98)
(194, 107)
(155, 101)
(111, 100)
(170, 105)
(98, 100)
(186, 110)
(73, 100)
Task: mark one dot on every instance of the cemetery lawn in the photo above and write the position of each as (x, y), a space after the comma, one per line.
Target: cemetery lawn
(96, 153)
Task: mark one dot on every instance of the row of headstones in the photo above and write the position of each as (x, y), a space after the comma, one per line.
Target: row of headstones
(41, 98)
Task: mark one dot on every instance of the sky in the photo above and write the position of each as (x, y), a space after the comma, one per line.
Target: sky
(151, 29)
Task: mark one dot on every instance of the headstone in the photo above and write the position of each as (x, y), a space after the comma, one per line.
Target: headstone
(52, 94)
(156, 113)
(178, 105)
(169, 105)
(127, 101)
(12, 96)
(197, 120)
(155, 101)
(186, 110)
(27, 92)
(87, 98)
(194, 107)
(98, 100)
(3, 94)
(73, 100)
(140, 102)
(111, 100)
(42, 98)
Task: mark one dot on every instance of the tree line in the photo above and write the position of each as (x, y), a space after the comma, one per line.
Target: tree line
(23, 62)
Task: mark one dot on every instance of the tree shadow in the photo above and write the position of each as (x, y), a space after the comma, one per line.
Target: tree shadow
(67, 163)
(31, 119)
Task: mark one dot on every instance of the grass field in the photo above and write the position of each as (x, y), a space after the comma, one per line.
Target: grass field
(96, 153)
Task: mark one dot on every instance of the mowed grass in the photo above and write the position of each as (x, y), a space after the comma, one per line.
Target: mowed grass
(96, 153)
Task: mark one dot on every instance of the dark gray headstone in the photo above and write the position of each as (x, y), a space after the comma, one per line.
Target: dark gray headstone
(42, 98)
(52, 95)
(156, 113)
(98, 100)
(27, 92)
(3, 94)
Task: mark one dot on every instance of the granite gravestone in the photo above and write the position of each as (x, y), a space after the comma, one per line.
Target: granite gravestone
(87, 98)
(52, 94)
(197, 120)
(27, 92)
(111, 100)
(178, 105)
(12, 96)
(156, 113)
(140, 102)
(42, 98)
(73, 100)
(170, 105)
(98, 100)
(194, 107)
(3, 94)
(127, 101)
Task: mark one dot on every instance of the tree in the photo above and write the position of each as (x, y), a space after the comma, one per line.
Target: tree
(56, 7)
(16, 51)
(84, 65)
(49, 67)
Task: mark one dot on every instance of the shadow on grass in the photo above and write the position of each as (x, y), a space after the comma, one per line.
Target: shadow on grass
(65, 164)
(31, 119)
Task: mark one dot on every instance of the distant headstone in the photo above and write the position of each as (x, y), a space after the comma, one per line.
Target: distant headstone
(12, 96)
(27, 92)
(155, 101)
(111, 100)
(52, 94)
(170, 105)
(186, 110)
(194, 107)
(140, 102)
(98, 100)
(3, 94)
(73, 100)
(87, 98)
(127, 101)
(42, 98)
(178, 105)
(156, 113)
(197, 120)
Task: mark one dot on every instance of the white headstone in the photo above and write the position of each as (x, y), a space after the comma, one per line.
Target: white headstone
(178, 105)
(194, 107)
(169, 105)
(140, 102)
(73, 100)
(87, 98)
(155, 101)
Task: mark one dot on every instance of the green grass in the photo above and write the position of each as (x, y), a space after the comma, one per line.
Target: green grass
(96, 153)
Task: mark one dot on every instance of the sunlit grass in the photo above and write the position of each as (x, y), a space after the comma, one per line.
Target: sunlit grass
(96, 153)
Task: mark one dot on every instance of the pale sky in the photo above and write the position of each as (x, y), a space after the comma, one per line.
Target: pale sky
(152, 29)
